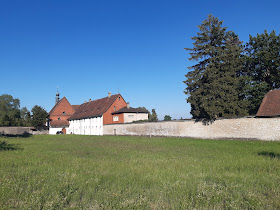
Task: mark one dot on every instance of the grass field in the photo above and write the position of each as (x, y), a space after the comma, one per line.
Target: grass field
(101, 172)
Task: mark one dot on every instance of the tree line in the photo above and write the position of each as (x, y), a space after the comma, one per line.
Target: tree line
(230, 78)
(12, 115)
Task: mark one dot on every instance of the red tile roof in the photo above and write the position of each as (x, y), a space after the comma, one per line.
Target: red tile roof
(94, 108)
(75, 106)
(270, 105)
(59, 123)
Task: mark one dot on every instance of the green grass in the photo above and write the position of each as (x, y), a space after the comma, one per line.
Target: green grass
(101, 172)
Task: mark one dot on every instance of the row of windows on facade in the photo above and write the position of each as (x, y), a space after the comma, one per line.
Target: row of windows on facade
(87, 127)
(116, 118)
(73, 120)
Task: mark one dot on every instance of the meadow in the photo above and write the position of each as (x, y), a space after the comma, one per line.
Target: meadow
(121, 172)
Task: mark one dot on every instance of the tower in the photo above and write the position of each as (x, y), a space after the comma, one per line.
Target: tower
(57, 97)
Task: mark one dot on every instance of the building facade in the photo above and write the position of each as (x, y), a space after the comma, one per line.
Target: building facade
(129, 114)
(89, 117)
(58, 116)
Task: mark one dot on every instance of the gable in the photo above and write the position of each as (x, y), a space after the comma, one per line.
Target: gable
(62, 108)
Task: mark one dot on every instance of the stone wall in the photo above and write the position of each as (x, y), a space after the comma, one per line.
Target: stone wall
(21, 131)
(15, 130)
(241, 128)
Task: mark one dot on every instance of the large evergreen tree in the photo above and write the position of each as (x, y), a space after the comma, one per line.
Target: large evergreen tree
(262, 67)
(212, 83)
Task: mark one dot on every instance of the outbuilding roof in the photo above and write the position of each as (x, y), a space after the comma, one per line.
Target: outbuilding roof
(129, 110)
(270, 105)
(94, 108)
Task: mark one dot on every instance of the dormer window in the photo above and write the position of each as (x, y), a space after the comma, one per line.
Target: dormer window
(64, 113)
(59, 118)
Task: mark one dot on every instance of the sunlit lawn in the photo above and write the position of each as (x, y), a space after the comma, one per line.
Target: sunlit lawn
(92, 172)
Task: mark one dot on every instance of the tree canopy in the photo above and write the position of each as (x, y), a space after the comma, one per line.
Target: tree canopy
(9, 111)
(39, 116)
(212, 82)
(167, 118)
(12, 115)
(154, 117)
(262, 67)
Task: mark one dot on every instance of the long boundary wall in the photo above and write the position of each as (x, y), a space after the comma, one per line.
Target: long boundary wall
(21, 131)
(241, 128)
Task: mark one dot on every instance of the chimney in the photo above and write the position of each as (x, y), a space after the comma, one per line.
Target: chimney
(85, 101)
(109, 94)
(89, 100)
(127, 105)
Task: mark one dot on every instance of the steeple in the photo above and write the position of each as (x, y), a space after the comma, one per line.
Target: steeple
(57, 97)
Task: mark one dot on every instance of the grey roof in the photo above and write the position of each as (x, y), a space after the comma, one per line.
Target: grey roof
(129, 110)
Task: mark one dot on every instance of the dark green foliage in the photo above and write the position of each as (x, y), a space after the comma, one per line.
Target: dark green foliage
(262, 67)
(154, 117)
(25, 117)
(212, 83)
(39, 116)
(9, 111)
(167, 118)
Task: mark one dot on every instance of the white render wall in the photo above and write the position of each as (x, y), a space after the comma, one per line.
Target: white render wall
(90, 126)
(52, 131)
(130, 117)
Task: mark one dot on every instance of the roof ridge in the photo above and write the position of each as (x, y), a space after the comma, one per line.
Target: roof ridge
(96, 107)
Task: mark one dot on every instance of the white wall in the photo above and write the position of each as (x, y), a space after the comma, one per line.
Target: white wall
(52, 131)
(130, 117)
(90, 126)
(243, 128)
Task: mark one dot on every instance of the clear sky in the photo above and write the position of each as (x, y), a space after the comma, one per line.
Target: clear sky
(90, 47)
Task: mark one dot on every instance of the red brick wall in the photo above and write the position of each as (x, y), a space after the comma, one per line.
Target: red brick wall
(64, 106)
(121, 118)
(108, 117)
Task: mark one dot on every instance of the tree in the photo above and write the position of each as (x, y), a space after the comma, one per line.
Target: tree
(212, 83)
(167, 118)
(9, 111)
(262, 67)
(39, 116)
(154, 117)
(25, 117)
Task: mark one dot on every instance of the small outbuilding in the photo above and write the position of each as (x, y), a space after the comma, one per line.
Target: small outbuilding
(129, 114)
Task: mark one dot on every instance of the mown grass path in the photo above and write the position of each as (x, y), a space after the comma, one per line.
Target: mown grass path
(102, 172)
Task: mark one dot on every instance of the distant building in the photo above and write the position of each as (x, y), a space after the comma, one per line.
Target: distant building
(89, 117)
(59, 115)
(270, 106)
(129, 114)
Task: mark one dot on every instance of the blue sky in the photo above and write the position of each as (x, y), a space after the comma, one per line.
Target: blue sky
(90, 47)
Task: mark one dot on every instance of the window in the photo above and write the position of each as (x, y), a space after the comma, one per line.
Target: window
(119, 98)
(116, 118)
(130, 116)
(59, 118)
(64, 113)
(114, 108)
